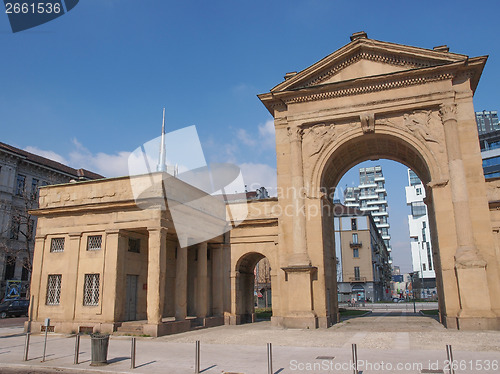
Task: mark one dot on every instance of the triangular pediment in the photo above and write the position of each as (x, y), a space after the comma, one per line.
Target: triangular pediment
(366, 58)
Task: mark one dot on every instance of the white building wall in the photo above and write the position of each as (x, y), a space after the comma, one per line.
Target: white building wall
(419, 233)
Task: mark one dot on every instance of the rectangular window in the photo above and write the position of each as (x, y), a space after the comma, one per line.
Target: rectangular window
(34, 188)
(134, 245)
(355, 252)
(21, 179)
(15, 227)
(54, 289)
(424, 267)
(355, 238)
(418, 209)
(419, 191)
(354, 224)
(91, 290)
(57, 245)
(94, 242)
(356, 273)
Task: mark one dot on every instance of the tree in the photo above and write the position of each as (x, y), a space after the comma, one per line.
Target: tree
(17, 239)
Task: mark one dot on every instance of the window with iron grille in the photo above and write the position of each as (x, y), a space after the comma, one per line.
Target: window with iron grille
(54, 289)
(91, 290)
(94, 243)
(57, 245)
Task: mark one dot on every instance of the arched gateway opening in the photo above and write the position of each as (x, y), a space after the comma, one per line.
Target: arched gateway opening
(371, 100)
(247, 278)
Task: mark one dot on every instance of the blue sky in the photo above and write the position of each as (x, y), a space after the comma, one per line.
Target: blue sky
(89, 87)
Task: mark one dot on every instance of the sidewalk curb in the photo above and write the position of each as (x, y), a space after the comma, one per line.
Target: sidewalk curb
(59, 369)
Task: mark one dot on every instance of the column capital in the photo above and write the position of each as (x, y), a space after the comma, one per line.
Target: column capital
(448, 112)
(295, 133)
(161, 230)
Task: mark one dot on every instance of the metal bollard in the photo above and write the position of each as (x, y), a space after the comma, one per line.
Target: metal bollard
(269, 358)
(449, 354)
(355, 358)
(45, 343)
(26, 346)
(77, 349)
(132, 354)
(197, 358)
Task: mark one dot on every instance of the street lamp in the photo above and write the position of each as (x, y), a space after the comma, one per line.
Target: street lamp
(412, 274)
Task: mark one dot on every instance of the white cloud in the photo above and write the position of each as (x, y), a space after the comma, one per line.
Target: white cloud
(267, 135)
(51, 155)
(259, 175)
(109, 165)
(246, 138)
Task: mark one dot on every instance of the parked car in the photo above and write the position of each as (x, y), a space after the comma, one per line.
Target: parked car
(16, 307)
(397, 300)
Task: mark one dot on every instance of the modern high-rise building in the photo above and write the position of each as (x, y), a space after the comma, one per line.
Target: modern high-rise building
(421, 248)
(371, 196)
(488, 128)
(487, 121)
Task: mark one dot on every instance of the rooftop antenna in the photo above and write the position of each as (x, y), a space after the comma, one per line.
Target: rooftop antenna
(162, 160)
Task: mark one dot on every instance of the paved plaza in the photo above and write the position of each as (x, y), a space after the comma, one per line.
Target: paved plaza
(388, 341)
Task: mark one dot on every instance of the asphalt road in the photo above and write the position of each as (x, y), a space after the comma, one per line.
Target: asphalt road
(12, 322)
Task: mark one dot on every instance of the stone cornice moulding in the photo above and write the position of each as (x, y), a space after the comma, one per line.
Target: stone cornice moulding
(389, 53)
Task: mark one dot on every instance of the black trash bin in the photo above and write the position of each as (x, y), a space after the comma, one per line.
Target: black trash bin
(99, 349)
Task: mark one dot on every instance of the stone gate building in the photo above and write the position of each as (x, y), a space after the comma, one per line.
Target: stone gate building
(100, 260)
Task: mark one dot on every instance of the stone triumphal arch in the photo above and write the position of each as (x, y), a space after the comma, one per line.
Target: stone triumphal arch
(371, 100)
(106, 260)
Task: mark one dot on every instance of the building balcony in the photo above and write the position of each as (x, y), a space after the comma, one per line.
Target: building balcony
(385, 224)
(356, 245)
(379, 179)
(377, 202)
(369, 208)
(368, 185)
(377, 214)
(352, 204)
(368, 197)
(386, 237)
(357, 279)
(382, 190)
(353, 199)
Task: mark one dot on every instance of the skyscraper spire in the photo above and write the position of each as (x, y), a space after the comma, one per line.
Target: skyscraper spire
(163, 156)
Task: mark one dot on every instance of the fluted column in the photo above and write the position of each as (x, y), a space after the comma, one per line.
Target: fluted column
(466, 253)
(181, 278)
(202, 297)
(299, 255)
(157, 263)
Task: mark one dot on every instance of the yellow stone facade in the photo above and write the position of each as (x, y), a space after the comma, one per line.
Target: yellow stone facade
(367, 100)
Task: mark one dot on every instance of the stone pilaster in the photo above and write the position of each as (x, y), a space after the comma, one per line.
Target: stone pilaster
(217, 281)
(202, 297)
(466, 254)
(73, 248)
(299, 256)
(181, 277)
(470, 268)
(157, 252)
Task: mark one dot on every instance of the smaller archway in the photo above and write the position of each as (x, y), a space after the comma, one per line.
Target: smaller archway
(245, 286)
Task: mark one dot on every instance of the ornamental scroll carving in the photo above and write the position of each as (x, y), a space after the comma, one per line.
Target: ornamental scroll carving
(316, 139)
(418, 123)
(295, 134)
